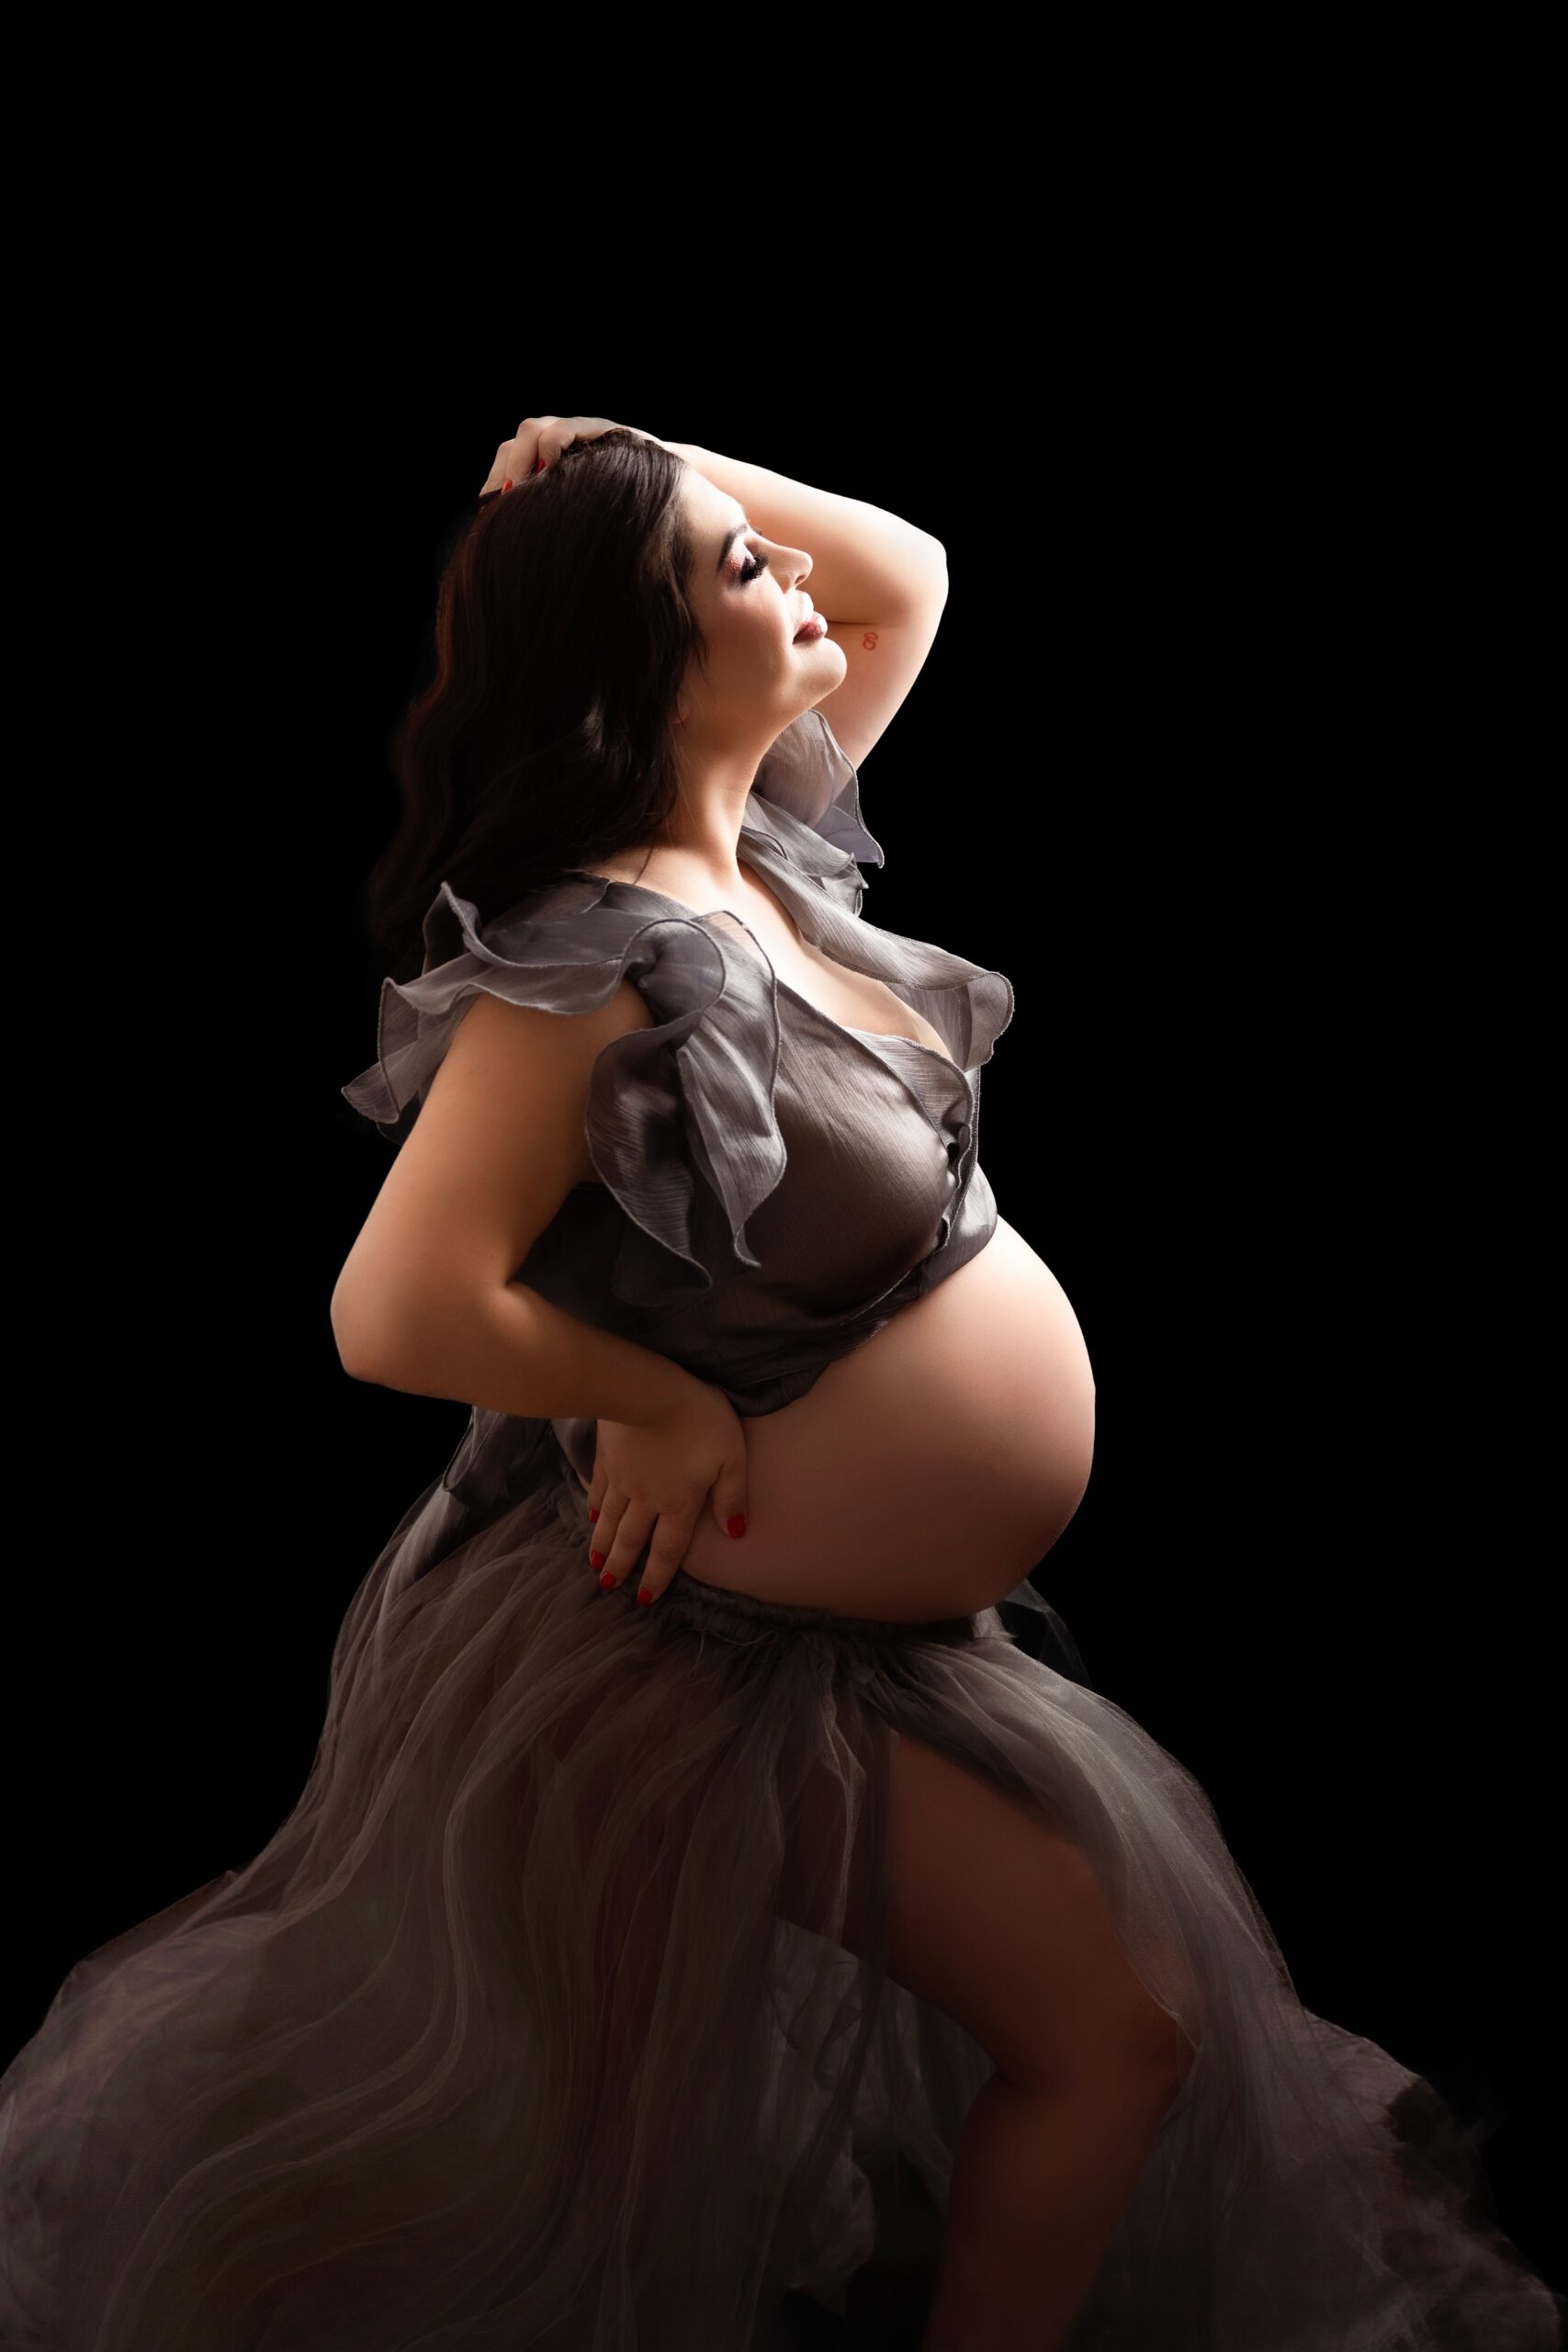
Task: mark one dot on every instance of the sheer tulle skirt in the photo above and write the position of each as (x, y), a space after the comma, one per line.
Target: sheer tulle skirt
(556, 2015)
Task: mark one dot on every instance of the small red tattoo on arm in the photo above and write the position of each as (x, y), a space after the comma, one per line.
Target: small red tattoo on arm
(869, 640)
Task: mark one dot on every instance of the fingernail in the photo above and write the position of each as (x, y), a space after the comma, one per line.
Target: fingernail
(645, 1597)
(592, 1512)
(607, 1581)
(506, 485)
(737, 1524)
(596, 1559)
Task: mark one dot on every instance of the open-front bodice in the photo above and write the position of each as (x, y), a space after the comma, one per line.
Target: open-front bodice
(773, 1184)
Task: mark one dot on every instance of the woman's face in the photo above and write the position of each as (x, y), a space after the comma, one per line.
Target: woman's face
(749, 595)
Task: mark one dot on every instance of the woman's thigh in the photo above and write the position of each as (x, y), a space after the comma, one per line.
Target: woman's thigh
(998, 1919)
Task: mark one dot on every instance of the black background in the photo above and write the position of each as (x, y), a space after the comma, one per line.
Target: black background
(1205, 758)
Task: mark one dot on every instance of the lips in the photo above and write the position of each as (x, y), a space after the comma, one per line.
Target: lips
(807, 617)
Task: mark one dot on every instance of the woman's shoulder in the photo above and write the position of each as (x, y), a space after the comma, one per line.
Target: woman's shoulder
(680, 1115)
(568, 948)
(681, 1108)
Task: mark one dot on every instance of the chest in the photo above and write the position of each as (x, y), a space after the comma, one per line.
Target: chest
(869, 1180)
(853, 1000)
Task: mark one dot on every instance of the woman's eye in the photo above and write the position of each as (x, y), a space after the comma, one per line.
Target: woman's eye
(754, 569)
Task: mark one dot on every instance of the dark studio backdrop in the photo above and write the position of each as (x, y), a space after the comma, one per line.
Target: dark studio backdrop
(1178, 764)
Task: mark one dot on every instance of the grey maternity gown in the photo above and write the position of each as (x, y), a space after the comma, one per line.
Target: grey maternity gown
(556, 2014)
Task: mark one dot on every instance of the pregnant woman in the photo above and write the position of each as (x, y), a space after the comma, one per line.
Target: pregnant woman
(692, 1858)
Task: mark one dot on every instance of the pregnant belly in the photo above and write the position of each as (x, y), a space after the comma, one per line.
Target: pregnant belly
(924, 1474)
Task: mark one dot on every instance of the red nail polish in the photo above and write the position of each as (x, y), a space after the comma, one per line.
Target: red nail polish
(592, 1512)
(645, 1597)
(596, 1559)
(737, 1524)
(607, 1581)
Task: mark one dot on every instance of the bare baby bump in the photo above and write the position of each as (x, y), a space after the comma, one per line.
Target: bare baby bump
(924, 1474)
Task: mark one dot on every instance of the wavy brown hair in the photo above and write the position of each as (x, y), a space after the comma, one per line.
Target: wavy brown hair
(545, 737)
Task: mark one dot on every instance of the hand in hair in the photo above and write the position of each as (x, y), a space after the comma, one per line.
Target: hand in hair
(539, 441)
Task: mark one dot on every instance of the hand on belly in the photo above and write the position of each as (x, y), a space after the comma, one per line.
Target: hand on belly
(924, 1474)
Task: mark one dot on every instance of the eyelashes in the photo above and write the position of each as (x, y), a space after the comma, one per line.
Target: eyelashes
(753, 571)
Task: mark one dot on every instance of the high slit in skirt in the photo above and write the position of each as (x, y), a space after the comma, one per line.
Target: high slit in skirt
(557, 2014)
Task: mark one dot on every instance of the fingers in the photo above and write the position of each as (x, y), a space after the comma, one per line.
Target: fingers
(671, 1541)
(730, 1498)
(526, 451)
(627, 1533)
(619, 1536)
(507, 473)
(506, 462)
(525, 454)
(604, 1511)
(540, 441)
(623, 1531)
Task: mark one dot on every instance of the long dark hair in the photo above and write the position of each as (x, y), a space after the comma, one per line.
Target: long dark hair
(544, 739)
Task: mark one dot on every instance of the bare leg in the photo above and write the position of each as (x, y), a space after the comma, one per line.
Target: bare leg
(1039, 2181)
(998, 1919)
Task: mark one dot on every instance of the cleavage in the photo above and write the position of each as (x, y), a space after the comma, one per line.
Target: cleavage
(852, 999)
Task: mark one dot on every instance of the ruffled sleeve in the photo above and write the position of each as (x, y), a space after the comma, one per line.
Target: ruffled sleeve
(807, 773)
(680, 1117)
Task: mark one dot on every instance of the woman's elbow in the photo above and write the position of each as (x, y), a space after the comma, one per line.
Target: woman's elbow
(371, 1340)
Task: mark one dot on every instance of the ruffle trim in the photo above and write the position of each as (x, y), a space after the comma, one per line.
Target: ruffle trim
(808, 774)
(680, 1119)
(968, 1005)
